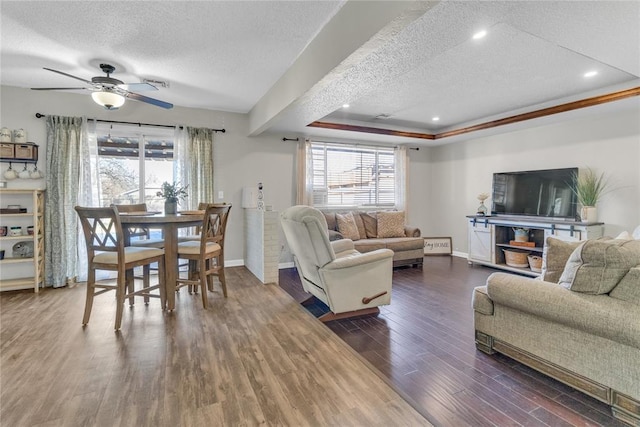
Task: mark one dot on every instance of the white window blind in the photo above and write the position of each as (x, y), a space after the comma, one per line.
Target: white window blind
(353, 175)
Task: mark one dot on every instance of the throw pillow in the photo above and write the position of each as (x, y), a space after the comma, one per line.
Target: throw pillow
(370, 221)
(360, 225)
(331, 220)
(629, 287)
(597, 266)
(554, 257)
(391, 224)
(347, 226)
(625, 235)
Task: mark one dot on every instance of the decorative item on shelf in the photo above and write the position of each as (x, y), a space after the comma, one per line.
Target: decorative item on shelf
(24, 174)
(172, 194)
(535, 263)
(588, 188)
(516, 258)
(525, 244)
(20, 135)
(260, 197)
(5, 135)
(15, 231)
(35, 173)
(482, 209)
(2, 254)
(30, 230)
(23, 249)
(3, 231)
(521, 234)
(10, 173)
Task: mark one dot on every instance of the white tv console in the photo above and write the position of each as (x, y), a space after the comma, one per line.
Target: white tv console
(489, 235)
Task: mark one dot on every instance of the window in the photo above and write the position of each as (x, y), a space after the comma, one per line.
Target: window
(352, 175)
(128, 174)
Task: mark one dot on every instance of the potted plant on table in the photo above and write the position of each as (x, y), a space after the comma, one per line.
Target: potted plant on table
(588, 188)
(172, 194)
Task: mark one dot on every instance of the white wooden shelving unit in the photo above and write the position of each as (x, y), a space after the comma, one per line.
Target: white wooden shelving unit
(16, 272)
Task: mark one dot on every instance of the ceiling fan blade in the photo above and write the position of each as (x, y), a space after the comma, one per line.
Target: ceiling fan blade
(68, 75)
(148, 100)
(57, 88)
(137, 87)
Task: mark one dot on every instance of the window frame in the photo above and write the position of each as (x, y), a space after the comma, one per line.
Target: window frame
(320, 196)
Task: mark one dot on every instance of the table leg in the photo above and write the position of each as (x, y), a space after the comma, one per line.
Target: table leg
(171, 263)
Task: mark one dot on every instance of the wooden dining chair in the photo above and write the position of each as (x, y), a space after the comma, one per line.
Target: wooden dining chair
(141, 235)
(106, 251)
(206, 256)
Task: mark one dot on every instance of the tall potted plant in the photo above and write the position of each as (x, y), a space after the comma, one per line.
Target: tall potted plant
(172, 194)
(588, 188)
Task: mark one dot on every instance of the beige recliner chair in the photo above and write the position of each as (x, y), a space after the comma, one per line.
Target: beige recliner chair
(349, 282)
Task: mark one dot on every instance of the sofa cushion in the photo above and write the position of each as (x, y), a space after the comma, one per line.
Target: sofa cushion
(554, 257)
(398, 244)
(629, 287)
(331, 220)
(391, 224)
(596, 314)
(368, 245)
(597, 266)
(347, 226)
(370, 224)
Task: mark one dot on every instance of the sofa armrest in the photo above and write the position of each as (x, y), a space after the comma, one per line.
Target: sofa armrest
(342, 245)
(597, 314)
(358, 259)
(410, 231)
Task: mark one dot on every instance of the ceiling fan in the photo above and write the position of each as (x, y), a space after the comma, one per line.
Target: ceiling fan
(109, 92)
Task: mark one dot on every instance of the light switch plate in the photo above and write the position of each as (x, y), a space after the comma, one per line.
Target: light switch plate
(220, 194)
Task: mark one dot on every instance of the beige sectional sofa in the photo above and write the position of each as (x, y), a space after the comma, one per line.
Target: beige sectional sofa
(583, 330)
(378, 230)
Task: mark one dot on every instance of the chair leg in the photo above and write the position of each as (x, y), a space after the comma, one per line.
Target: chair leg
(193, 274)
(223, 280)
(203, 284)
(91, 280)
(130, 285)
(146, 271)
(120, 297)
(163, 285)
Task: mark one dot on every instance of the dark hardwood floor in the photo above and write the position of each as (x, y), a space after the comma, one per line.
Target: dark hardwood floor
(423, 344)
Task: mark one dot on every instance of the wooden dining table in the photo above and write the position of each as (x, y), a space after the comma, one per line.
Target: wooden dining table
(169, 224)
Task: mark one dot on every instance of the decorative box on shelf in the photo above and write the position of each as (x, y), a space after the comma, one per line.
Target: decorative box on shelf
(18, 152)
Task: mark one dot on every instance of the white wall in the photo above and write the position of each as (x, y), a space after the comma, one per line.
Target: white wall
(611, 144)
(443, 181)
(239, 160)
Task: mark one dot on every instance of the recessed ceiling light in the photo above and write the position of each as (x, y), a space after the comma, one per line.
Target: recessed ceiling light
(435, 119)
(590, 74)
(480, 34)
(345, 105)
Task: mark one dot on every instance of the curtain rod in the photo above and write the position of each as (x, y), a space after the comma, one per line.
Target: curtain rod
(223, 130)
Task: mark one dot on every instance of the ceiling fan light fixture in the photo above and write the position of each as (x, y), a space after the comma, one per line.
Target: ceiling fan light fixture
(107, 99)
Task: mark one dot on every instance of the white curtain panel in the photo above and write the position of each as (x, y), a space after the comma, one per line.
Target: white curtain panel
(304, 174)
(402, 174)
(194, 164)
(64, 157)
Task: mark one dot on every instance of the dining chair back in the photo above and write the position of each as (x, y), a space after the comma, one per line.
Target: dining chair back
(206, 256)
(140, 236)
(106, 251)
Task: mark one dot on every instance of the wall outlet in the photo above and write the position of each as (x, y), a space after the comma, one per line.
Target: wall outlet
(220, 194)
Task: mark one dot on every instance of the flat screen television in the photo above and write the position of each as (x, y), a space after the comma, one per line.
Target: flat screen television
(541, 193)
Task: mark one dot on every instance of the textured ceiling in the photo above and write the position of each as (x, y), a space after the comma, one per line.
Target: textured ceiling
(289, 63)
(220, 55)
